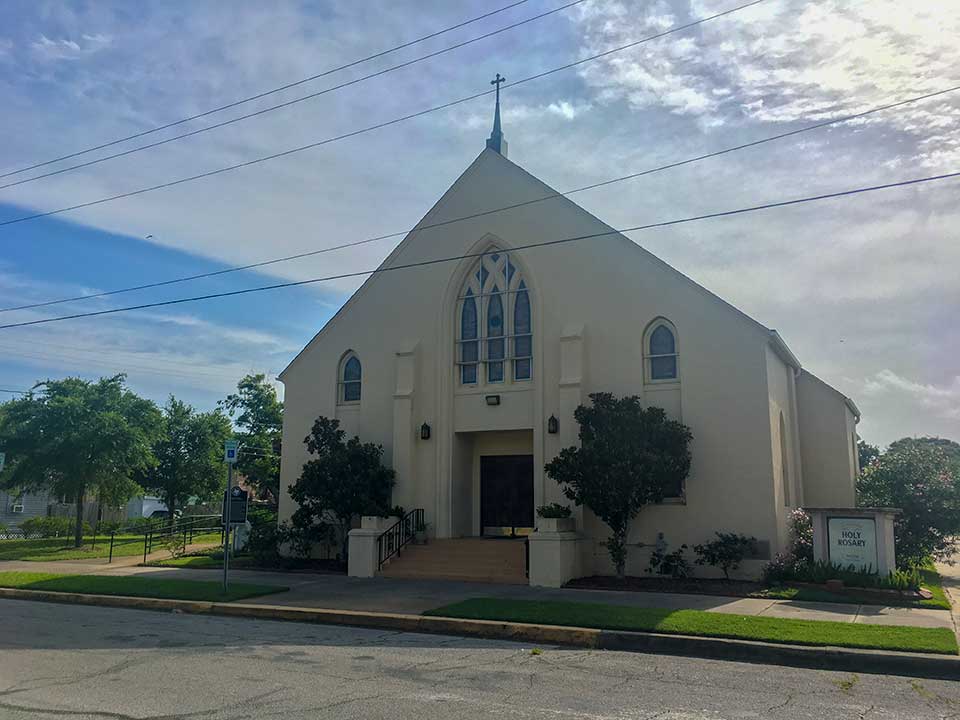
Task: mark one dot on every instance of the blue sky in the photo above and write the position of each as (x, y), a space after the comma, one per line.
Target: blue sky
(864, 291)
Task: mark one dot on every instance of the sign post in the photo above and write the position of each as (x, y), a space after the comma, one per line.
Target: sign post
(230, 448)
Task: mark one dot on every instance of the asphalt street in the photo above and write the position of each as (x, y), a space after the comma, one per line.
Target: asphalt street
(75, 662)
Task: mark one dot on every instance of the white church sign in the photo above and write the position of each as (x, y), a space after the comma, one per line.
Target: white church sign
(858, 536)
(853, 541)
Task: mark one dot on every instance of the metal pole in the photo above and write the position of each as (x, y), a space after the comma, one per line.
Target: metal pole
(226, 527)
(112, 536)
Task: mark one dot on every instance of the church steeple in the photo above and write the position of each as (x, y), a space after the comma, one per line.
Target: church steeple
(496, 141)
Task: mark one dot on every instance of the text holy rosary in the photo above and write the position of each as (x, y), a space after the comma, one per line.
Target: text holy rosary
(851, 538)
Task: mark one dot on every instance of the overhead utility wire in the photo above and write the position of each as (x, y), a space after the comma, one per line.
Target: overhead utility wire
(267, 92)
(294, 101)
(453, 258)
(15, 392)
(378, 126)
(463, 218)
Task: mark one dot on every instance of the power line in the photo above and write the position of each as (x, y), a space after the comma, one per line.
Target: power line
(631, 176)
(436, 261)
(378, 126)
(294, 101)
(15, 392)
(267, 92)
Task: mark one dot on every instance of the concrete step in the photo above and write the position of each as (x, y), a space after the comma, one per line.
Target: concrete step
(463, 559)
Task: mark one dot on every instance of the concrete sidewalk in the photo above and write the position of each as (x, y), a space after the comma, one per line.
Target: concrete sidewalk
(395, 595)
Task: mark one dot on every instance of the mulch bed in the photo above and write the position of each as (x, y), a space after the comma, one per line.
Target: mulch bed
(698, 586)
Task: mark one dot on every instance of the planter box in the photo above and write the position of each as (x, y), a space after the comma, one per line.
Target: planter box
(556, 524)
(373, 522)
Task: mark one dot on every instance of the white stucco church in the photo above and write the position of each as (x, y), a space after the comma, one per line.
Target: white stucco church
(468, 369)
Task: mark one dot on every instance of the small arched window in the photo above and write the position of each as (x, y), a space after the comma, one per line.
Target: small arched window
(349, 385)
(660, 349)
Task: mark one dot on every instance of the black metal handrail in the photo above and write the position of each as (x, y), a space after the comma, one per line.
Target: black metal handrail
(189, 527)
(398, 535)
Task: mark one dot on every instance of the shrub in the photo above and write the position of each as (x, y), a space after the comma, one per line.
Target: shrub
(51, 527)
(397, 512)
(673, 564)
(554, 510)
(263, 543)
(800, 528)
(726, 552)
(108, 526)
(175, 544)
(783, 569)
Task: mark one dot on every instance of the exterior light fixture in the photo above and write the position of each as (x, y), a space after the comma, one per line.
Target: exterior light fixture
(553, 425)
(424, 432)
(493, 399)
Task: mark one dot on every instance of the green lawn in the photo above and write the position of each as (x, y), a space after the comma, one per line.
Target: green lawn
(50, 549)
(134, 586)
(697, 622)
(208, 561)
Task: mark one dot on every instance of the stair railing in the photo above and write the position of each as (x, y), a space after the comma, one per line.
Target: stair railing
(399, 535)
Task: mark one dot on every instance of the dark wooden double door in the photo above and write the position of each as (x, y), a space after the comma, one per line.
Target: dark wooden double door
(506, 495)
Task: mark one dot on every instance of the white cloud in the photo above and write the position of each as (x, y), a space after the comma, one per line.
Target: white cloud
(943, 400)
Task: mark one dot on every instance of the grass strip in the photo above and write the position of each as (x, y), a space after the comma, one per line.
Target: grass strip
(51, 549)
(135, 586)
(707, 624)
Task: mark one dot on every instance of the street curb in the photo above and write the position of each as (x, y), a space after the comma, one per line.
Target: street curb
(921, 665)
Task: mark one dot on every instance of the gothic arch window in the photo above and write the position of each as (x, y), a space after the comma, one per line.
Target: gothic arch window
(349, 379)
(660, 352)
(494, 323)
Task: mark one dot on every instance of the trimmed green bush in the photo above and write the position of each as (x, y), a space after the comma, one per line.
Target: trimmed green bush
(49, 527)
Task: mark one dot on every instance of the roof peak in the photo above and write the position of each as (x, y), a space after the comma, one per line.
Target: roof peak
(496, 141)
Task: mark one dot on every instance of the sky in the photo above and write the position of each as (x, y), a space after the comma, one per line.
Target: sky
(865, 290)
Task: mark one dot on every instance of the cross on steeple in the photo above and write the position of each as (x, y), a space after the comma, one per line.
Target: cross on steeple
(496, 141)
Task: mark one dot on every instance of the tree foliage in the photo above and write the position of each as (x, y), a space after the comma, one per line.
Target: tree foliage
(189, 454)
(950, 449)
(917, 478)
(344, 479)
(259, 416)
(75, 437)
(866, 453)
(629, 456)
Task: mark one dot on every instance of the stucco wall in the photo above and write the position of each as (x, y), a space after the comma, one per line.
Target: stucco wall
(828, 445)
(592, 300)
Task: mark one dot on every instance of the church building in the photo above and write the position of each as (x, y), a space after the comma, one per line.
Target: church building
(467, 352)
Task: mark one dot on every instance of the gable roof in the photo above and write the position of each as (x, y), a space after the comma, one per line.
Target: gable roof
(506, 165)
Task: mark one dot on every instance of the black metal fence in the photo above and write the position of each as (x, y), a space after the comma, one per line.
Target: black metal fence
(399, 534)
(165, 530)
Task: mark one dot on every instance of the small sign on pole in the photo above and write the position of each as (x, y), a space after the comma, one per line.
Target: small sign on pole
(230, 448)
(237, 514)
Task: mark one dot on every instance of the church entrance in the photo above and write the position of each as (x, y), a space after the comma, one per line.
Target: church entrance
(506, 495)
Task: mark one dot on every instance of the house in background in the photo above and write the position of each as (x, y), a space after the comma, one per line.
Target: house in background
(468, 371)
(15, 507)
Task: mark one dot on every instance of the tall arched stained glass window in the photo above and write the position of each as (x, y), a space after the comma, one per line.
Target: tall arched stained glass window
(522, 337)
(469, 345)
(495, 348)
(494, 322)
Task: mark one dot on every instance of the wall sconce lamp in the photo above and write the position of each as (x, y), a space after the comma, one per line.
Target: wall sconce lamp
(553, 425)
(424, 432)
(493, 399)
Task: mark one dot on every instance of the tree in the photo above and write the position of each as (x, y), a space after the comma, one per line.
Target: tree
(75, 437)
(629, 456)
(345, 479)
(189, 453)
(259, 415)
(949, 448)
(866, 453)
(918, 479)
